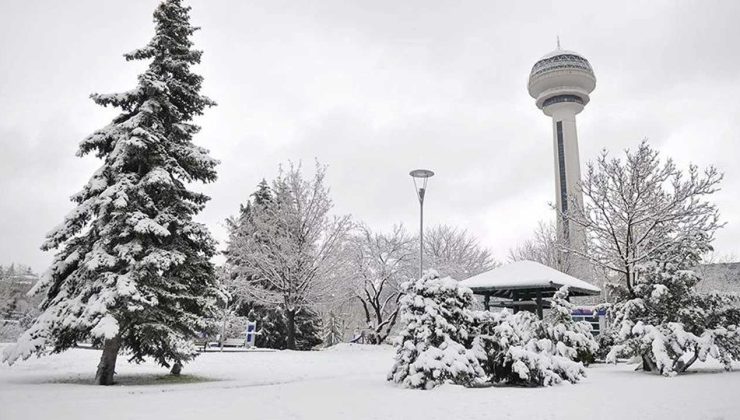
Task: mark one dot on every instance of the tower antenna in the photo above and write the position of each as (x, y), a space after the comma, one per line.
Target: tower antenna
(558, 38)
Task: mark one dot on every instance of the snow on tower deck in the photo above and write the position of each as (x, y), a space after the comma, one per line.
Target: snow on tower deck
(522, 276)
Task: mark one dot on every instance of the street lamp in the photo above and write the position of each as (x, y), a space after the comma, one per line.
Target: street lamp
(421, 176)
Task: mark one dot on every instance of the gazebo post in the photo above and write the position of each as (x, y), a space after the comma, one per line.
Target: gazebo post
(539, 304)
(515, 298)
(487, 302)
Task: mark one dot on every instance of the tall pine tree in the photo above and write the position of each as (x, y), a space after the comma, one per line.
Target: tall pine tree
(133, 269)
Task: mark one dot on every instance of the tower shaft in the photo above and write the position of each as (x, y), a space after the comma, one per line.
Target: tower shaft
(567, 169)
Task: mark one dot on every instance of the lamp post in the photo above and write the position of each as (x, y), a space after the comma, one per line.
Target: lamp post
(421, 176)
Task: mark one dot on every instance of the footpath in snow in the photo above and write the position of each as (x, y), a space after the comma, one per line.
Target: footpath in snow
(345, 382)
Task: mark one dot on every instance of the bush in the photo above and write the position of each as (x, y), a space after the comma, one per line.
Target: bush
(670, 326)
(515, 349)
(433, 346)
(578, 342)
(442, 340)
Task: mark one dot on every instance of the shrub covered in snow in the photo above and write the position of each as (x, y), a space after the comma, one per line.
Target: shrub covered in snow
(519, 349)
(442, 340)
(669, 325)
(574, 338)
(433, 345)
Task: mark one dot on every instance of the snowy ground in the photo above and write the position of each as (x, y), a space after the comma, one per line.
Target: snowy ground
(344, 383)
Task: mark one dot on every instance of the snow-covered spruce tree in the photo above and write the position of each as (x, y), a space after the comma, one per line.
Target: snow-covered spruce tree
(272, 331)
(333, 330)
(270, 327)
(432, 347)
(515, 349)
(308, 328)
(133, 269)
(573, 339)
(667, 323)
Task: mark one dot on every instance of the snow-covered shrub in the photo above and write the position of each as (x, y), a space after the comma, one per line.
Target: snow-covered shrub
(669, 325)
(517, 349)
(574, 340)
(437, 328)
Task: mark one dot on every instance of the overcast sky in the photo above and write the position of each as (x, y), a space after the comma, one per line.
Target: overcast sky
(374, 89)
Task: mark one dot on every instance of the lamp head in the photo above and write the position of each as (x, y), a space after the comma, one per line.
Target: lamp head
(421, 176)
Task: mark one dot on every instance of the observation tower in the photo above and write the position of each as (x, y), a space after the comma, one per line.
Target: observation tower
(560, 83)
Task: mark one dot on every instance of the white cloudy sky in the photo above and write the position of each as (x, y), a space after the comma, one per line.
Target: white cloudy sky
(374, 89)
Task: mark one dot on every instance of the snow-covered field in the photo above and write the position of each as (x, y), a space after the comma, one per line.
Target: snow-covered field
(346, 382)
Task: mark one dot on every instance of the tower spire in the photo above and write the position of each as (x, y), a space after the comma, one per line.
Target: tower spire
(558, 38)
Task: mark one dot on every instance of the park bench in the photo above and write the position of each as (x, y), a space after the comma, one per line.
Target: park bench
(235, 342)
(201, 344)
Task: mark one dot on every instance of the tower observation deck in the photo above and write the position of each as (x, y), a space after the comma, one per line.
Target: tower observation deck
(560, 82)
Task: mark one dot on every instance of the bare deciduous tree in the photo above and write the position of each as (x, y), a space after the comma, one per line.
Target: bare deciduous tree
(378, 264)
(544, 247)
(455, 252)
(639, 208)
(293, 258)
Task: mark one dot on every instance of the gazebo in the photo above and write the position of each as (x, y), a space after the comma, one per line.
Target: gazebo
(525, 285)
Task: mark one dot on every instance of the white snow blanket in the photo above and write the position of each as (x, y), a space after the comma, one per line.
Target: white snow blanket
(345, 382)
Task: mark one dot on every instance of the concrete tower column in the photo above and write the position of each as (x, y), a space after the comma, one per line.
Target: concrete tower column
(567, 165)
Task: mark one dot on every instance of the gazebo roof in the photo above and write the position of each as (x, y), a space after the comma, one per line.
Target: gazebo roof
(527, 276)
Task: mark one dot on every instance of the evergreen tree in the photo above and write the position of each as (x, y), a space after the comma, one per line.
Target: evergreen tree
(443, 340)
(518, 349)
(263, 196)
(308, 329)
(667, 323)
(242, 228)
(334, 330)
(572, 339)
(433, 345)
(273, 331)
(271, 327)
(133, 269)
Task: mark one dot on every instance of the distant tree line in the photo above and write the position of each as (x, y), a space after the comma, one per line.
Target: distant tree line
(17, 309)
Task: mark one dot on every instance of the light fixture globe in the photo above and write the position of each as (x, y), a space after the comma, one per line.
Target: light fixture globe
(561, 78)
(421, 173)
(421, 177)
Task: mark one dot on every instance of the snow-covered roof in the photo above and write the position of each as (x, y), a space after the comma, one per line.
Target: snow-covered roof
(527, 275)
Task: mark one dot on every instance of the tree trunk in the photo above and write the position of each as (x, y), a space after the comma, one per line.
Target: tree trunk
(290, 323)
(107, 365)
(648, 365)
(681, 366)
(176, 369)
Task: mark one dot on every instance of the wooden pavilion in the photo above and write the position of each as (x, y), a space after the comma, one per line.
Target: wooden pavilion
(525, 285)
